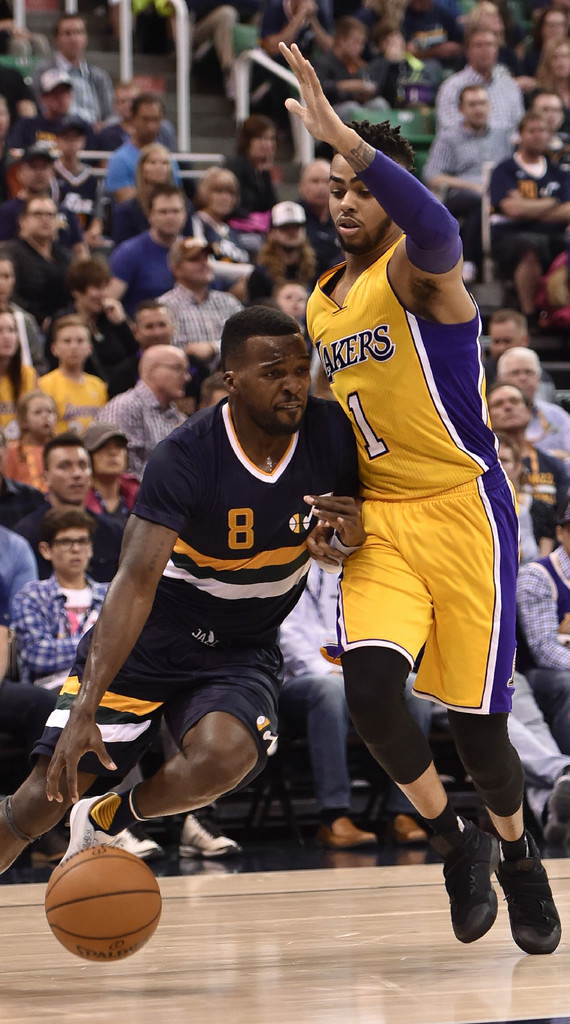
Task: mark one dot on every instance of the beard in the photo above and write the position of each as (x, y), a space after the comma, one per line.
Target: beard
(370, 240)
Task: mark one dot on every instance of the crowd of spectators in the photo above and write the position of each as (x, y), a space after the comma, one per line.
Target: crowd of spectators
(115, 283)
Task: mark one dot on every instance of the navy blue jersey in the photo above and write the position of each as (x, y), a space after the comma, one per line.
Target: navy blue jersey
(240, 562)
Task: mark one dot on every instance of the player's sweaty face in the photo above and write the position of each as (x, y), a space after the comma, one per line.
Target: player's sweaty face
(361, 223)
(272, 385)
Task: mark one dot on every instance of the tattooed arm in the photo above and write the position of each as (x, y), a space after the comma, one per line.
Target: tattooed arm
(428, 267)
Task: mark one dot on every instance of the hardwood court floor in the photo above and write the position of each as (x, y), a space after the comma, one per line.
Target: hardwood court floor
(370, 945)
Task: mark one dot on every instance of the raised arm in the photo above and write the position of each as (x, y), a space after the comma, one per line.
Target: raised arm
(432, 251)
(145, 552)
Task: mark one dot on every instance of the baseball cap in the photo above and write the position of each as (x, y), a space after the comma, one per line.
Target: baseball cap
(564, 516)
(190, 246)
(97, 434)
(287, 213)
(37, 150)
(52, 79)
(72, 124)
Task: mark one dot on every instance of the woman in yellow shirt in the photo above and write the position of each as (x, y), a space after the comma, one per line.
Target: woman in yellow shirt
(15, 379)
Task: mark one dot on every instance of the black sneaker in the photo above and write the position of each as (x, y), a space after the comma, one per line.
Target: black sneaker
(467, 871)
(535, 924)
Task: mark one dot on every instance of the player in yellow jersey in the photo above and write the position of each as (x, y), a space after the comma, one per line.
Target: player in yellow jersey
(397, 335)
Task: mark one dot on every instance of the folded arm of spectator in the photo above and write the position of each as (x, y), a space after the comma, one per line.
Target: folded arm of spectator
(518, 206)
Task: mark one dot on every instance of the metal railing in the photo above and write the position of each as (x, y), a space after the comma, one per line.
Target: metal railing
(303, 142)
(183, 44)
(206, 159)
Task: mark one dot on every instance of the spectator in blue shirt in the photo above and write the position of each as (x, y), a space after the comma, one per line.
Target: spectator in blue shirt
(140, 265)
(147, 115)
(17, 563)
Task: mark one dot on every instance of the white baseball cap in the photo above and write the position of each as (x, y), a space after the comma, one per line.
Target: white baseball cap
(287, 213)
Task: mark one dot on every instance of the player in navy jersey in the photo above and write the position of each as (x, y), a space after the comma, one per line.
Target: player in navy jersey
(214, 557)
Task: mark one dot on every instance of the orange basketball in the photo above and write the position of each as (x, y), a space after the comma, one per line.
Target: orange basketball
(103, 904)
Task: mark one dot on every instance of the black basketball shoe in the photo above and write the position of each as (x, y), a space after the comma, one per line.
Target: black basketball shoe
(534, 920)
(468, 865)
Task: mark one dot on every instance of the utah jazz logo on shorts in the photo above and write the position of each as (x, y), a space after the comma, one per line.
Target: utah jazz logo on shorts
(264, 727)
(299, 523)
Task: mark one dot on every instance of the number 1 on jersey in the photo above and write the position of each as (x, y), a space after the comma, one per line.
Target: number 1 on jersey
(374, 445)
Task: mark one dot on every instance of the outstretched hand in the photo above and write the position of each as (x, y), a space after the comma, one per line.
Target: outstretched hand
(315, 112)
(79, 736)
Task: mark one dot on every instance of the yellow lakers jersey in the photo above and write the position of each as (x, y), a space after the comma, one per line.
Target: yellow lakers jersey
(413, 389)
(77, 402)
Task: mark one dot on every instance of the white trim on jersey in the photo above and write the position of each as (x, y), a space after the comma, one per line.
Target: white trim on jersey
(267, 478)
(432, 388)
(237, 591)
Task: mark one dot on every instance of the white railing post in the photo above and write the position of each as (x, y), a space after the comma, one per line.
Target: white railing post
(125, 40)
(70, 6)
(183, 43)
(19, 11)
(303, 143)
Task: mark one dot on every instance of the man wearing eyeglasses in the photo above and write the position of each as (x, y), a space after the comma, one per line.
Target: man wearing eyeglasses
(148, 413)
(50, 616)
(36, 178)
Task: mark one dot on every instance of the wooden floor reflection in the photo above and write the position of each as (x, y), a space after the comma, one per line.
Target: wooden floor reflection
(369, 945)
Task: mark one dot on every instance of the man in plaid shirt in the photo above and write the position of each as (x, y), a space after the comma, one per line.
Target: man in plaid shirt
(198, 311)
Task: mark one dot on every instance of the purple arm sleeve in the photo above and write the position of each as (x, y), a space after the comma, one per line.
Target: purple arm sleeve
(432, 234)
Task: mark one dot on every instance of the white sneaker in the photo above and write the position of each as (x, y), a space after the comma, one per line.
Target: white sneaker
(134, 840)
(197, 841)
(82, 833)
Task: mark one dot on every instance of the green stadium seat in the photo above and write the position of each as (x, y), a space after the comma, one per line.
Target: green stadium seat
(246, 37)
(25, 65)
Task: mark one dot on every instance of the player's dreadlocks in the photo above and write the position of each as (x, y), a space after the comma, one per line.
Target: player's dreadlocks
(387, 139)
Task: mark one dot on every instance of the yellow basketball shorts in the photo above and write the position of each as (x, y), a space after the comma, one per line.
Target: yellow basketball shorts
(440, 572)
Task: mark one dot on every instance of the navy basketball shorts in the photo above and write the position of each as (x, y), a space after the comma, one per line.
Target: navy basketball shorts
(179, 680)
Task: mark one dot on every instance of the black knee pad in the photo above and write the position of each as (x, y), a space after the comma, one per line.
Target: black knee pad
(374, 679)
(487, 754)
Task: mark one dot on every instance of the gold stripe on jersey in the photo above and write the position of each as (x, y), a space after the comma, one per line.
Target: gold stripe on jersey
(279, 556)
(390, 385)
(115, 701)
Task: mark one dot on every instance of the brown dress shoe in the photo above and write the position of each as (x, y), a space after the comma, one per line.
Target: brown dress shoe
(406, 830)
(343, 834)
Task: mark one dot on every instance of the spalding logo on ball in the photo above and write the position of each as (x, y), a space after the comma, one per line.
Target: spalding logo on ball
(103, 904)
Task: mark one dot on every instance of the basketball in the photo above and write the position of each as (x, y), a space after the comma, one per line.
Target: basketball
(103, 904)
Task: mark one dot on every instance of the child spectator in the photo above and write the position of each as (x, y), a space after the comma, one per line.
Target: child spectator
(48, 630)
(15, 379)
(77, 395)
(291, 297)
(37, 416)
(79, 188)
